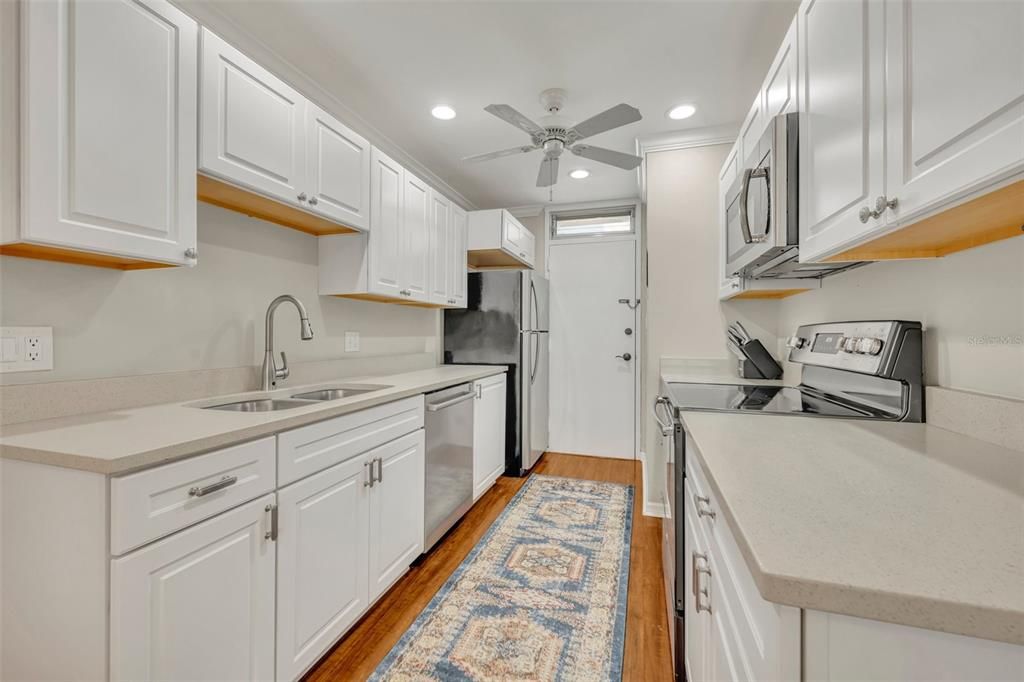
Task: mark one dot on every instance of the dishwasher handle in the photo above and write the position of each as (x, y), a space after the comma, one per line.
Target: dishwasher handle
(434, 407)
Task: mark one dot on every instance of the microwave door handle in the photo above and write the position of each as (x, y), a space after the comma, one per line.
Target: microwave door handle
(762, 173)
(744, 191)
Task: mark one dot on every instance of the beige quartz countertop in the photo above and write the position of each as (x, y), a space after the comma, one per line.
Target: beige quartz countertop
(123, 440)
(707, 371)
(904, 523)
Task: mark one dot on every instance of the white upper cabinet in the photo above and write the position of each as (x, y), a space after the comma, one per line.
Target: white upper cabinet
(253, 129)
(387, 211)
(495, 239)
(415, 252)
(842, 127)
(779, 93)
(440, 236)
(955, 103)
(108, 132)
(338, 169)
(457, 270)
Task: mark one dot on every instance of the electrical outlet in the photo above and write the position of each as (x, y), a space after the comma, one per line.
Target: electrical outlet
(26, 349)
(351, 342)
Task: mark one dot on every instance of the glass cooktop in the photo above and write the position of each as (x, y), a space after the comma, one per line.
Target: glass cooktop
(762, 399)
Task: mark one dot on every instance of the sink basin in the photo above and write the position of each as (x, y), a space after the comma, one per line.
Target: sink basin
(338, 392)
(261, 405)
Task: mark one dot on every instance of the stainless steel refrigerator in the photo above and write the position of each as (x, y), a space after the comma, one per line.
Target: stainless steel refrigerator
(506, 323)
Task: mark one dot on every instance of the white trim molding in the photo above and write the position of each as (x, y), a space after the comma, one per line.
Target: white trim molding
(650, 507)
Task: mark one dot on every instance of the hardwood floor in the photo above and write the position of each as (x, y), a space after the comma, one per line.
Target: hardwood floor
(647, 656)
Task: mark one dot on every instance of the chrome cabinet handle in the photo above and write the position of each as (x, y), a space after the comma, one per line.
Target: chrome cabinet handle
(191, 253)
(368, 483)
(380, 469)
(703, 505)
(272, 533)
(479, 391)
(882, 204)
(301, 197)
(198, 491)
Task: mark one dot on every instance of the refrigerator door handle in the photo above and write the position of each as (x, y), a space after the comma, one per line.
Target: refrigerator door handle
(535, 346)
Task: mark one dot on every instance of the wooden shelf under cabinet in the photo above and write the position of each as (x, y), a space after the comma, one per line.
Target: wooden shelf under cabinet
(99, 260)
(219, 193)
(989, 218)
(767, 293)
(377, 298)
(493, 259)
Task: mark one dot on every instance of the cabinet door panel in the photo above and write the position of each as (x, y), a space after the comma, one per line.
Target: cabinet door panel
(396, 510)
(458, 264)
(697, 624)
(780, 86)
(110, 131)
(488, 433)
(386, 214)
(322, 549)
(416, 238)
(198, 605)
(338, 169)
(955, 98)
(841, 58)
(252, 124)
(440, 247)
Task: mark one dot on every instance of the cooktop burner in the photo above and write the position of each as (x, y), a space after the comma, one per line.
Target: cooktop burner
(764, 399)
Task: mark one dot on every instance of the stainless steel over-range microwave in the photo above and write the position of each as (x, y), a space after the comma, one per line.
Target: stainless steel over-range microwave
(762, 229)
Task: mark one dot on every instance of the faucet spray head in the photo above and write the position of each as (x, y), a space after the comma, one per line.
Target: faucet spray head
(307, 329)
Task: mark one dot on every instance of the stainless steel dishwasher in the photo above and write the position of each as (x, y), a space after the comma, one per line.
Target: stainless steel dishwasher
(449, 463)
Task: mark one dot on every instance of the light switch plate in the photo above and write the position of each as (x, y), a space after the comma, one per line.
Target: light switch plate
(26, 349)
(351, 342)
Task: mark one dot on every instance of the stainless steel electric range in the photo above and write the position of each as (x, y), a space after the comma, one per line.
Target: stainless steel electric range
(849, 370)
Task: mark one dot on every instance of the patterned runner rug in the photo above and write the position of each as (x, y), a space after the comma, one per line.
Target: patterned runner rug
(541, 597)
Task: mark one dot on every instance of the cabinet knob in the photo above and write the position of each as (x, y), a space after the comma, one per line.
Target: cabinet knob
(302, 197)
(865, 214)
(313, 201)
(882, 203)
(191, 253)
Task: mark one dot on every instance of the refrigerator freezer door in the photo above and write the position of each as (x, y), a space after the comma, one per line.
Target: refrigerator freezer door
(487, 331)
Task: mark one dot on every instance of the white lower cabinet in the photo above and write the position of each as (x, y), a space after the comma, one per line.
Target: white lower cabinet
(488, 433)
(321, 558)
(198, 605)
(396, 510)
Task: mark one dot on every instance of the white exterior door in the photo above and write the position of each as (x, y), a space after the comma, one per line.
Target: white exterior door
(457, 269)
(252, 124)
(593, 359)
(440, 247)
(387, 181)
(955, 100)
(198, 605)
(488, 433)
(322, 583)
(842, 88)
(416, 238)
(396, 510)
(338, 170)
(110, 132)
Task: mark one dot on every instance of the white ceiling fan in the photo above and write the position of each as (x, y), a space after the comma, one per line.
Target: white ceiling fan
(554, 135)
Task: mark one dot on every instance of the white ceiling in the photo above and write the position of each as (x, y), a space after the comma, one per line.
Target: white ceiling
(391, 62)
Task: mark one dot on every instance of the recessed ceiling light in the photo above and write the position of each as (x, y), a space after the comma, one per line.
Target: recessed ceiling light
(443, 112)
(682, 111)
(579, 174)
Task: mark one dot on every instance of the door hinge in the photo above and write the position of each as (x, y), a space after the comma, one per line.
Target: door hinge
(272, 533)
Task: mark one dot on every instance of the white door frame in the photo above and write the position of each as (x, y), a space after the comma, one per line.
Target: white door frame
(639, 331)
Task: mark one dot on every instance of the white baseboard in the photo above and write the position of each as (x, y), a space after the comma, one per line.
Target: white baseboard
(650, 507)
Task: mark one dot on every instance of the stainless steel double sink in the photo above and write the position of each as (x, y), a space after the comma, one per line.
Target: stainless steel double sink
(305, 399)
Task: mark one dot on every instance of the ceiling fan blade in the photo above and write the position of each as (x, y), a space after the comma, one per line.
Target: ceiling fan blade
(619, 115)
(504, 152)
(548, 174)
(612, 158)
(510, 115)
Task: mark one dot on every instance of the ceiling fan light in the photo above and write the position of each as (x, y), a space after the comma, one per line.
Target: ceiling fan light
(579, 174)
(443, 112)
(682, 111)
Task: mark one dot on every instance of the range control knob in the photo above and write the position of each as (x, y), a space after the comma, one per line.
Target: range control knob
(796, 342)
(849, 344)
(869, 346)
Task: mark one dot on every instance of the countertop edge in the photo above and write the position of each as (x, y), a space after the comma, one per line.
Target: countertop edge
(916, 611)
(172, 453)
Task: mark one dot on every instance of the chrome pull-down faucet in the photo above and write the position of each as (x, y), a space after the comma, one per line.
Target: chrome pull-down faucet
(270, 372)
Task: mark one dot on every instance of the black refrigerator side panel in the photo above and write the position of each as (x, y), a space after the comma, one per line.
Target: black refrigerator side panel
(513, 443)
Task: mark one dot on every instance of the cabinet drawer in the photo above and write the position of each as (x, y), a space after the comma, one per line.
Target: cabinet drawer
(153, 503)
(313, 448)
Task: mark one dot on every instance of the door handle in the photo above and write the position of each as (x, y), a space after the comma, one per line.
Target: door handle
(630, 302)
(625, 356)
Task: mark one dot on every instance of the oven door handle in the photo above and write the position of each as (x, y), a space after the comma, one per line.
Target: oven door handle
(666, 429)
(748, 175)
